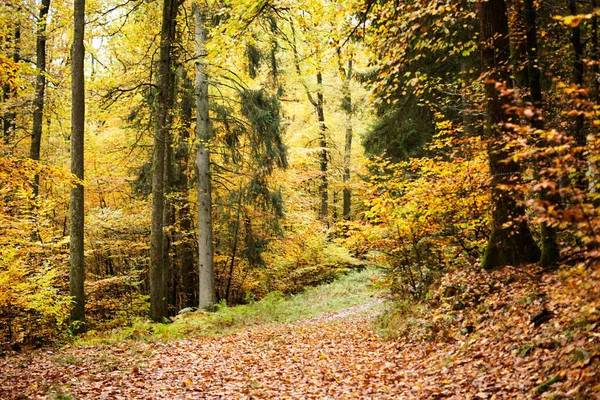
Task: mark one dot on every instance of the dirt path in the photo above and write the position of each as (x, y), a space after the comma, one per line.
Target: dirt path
(332, 356)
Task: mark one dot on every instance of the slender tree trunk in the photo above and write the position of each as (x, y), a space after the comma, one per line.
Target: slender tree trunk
(347, 107)
(323, 155)
(10, 117)
(595, 53)
(168, 215)
(592, 167)
(38, 101)
(206, 269)
(273, 55)
(40, 89)
(188, 279)
(578, 71)
(550, 250)
(510, 240)
(76, 256)
(159, 285)
(234, 248)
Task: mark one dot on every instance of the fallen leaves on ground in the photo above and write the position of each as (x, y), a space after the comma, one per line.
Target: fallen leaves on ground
(340, 355)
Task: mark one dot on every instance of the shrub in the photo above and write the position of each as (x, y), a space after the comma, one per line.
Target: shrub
(426, 215)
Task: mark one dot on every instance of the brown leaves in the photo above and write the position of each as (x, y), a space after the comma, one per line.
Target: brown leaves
(340, 355)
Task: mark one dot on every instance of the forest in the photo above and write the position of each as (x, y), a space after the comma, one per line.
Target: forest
(299, 199)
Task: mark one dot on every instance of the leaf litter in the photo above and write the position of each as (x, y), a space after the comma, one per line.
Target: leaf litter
(342, 354)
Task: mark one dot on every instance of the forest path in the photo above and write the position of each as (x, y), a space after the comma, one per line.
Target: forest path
(336, 355)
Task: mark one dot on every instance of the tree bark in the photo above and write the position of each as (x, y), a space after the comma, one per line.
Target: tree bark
(206, 294)
(159, 285)
(510, 240)
(9, 118)
(76, 207)
(323, 155)
(347, 107)
(40, 90)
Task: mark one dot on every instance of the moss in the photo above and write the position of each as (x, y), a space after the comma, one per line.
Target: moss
(544, 387)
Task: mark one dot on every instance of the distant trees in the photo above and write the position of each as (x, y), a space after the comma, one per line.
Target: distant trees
(532, 109)
(285, 85)
(12, 39)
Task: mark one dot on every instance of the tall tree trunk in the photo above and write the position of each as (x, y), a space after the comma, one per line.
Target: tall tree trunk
(592, 167)
(595, 53)
(38, 101)
(550, 249)
(578, 71)
(347, 107)
(323, 155)
(207, 296)
(159, 285)
(168, 214)
(510, 240)
(188, 275)
(76, 258)
(9, 118)
(40, 89)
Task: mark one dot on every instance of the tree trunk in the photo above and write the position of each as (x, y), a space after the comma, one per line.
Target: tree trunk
(578, 70)
(188, 277)
(206, 294)
(347, 107)
(273, 55)
(9, 118)
(592, 167)
(38, 101)
(550, 250)
(159, 285)
(595, 55)
(323, 156)
(510, 240)
(168, 214)
(76, 207)
(234, 247)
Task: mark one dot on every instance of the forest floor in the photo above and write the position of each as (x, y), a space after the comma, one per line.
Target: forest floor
(487, 348)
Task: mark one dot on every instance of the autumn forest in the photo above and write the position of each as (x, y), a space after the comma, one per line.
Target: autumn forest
(299, 199)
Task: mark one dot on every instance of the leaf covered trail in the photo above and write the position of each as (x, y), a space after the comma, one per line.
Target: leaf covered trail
(334, 356)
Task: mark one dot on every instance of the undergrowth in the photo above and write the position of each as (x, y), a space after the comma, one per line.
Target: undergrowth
(355, 288)
(529, 318)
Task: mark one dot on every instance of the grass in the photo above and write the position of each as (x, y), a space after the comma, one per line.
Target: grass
(355, 288)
